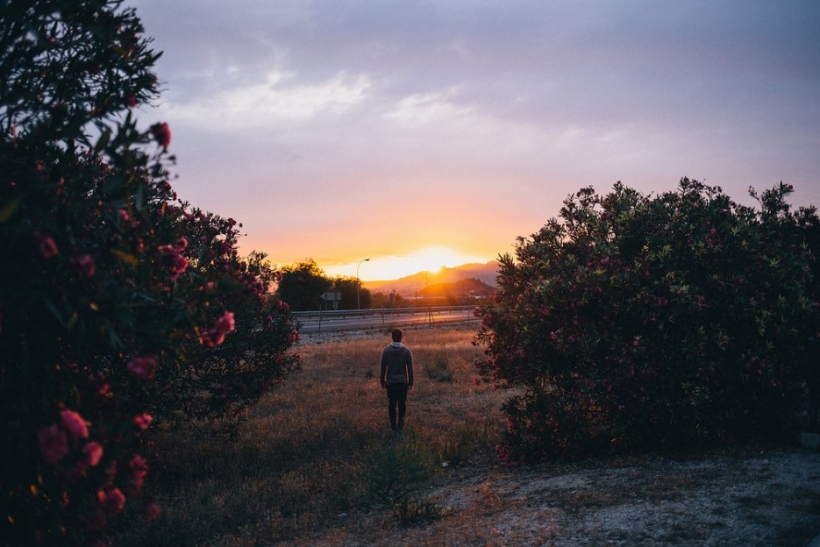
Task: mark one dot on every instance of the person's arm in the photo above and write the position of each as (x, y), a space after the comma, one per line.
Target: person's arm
(383, 370)
(409, 369)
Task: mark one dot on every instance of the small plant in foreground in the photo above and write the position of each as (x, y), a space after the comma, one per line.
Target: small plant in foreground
(397, 479)
(439, 369)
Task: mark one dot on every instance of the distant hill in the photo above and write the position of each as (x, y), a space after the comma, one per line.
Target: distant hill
(456, 289)
(412, 284)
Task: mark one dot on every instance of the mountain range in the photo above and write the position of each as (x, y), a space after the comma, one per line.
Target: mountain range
(412, 284)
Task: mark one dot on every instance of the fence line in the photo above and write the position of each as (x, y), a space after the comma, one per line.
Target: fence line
(315, 321)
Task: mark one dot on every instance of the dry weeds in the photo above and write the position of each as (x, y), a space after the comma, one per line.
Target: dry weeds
(299, 475)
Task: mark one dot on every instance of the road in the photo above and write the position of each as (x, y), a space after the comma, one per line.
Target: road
(312, 322)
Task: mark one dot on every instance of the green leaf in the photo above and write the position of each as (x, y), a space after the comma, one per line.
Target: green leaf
(125, 257)
(8, 210)
(103, 141)
(56, 312)
(139, 199)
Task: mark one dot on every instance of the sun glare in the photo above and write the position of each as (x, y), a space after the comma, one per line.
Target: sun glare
(429, 259)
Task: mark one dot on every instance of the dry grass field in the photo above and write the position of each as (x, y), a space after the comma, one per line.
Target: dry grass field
(318, 465)
(302, 463)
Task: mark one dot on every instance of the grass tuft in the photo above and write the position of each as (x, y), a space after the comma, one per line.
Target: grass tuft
(438, 368)
(397, 478)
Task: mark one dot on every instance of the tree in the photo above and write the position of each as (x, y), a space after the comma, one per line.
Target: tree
(458, 293)
(119, 305)
(391, 300)
(302, 285)
(353, 294)
(635, 322)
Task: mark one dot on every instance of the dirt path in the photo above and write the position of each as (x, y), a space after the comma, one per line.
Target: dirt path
(740, 498)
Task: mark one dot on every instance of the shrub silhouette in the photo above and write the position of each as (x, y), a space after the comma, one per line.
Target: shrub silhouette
(120, 305)
(635, 322)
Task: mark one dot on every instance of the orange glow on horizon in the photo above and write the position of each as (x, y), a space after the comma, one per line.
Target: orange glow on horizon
(382, 268)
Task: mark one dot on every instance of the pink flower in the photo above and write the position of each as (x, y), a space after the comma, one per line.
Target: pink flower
(215, 334)
(150, 510)
(175, 261)
(86, 265)
(74, 424)
(142, 368)
(226, 321)
(111, 501)
(162, 134)
(48, 248)
(181, 244)
(142, 421)
(92, 453)
(139, 469)
(53, 444)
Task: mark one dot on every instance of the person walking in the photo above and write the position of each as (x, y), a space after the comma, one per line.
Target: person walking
(397, 377)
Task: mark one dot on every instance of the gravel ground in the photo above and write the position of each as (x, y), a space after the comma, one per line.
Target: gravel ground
(750, 498)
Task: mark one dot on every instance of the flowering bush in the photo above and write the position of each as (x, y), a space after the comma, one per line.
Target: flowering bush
(636, 322)
(120, 306)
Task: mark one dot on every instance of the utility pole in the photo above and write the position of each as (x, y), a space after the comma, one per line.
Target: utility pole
(358, 301)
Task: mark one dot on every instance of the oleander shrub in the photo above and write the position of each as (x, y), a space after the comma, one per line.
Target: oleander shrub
(636, 322)
(120, 305)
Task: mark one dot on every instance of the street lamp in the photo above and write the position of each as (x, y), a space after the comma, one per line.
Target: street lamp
(358, 302)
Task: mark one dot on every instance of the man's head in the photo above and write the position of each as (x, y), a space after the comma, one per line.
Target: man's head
(396, 334)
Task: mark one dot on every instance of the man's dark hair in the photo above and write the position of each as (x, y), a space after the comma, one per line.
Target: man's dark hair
(396, 334)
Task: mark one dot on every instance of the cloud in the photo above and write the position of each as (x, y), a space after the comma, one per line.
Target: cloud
(423, 109)
(270, 102)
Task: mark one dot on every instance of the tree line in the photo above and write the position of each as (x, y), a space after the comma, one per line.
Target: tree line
(302, 285)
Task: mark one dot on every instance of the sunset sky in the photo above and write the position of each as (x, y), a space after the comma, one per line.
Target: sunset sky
(428, 133)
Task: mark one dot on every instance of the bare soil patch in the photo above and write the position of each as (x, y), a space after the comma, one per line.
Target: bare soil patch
(748, 497)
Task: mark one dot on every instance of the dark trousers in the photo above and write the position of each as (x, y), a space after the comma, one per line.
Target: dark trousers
(396, 396)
